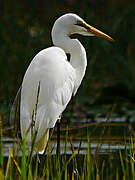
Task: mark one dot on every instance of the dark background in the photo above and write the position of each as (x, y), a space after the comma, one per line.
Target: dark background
(25, 29)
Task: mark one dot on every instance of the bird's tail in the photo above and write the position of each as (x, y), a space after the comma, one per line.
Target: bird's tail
(41, 144)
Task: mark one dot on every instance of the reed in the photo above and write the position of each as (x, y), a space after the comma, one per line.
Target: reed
(74, 166)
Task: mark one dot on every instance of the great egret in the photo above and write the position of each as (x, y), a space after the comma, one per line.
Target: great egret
(50, 80)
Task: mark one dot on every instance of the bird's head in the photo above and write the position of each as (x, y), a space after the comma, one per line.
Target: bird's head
(72, 24)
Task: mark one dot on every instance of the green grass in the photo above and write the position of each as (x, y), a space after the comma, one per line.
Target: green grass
(117, 166)
(89, 166)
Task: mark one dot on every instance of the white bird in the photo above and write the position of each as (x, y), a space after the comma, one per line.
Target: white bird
(50, 80)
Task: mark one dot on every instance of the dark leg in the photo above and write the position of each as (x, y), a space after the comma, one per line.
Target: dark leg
(58, 138)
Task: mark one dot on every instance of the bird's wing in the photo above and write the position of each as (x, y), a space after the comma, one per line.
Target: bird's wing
(53, 76)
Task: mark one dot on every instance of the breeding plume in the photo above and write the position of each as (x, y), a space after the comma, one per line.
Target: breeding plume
(51, 80)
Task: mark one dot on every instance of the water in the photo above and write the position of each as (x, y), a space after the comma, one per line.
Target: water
(105, 137)
(107, 127)
(100, 148)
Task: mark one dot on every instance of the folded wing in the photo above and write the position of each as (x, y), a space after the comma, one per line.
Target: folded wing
(47, 88)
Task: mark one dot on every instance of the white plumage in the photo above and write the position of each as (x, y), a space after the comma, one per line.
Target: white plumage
(55, 78)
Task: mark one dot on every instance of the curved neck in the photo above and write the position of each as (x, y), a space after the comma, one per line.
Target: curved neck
(78, 54)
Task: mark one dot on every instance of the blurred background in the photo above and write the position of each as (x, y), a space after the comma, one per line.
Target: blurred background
(25, 29)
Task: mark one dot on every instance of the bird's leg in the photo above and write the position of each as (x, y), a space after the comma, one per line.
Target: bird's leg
(58, 137)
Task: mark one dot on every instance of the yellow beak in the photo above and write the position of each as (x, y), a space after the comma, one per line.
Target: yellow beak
(97, 33)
